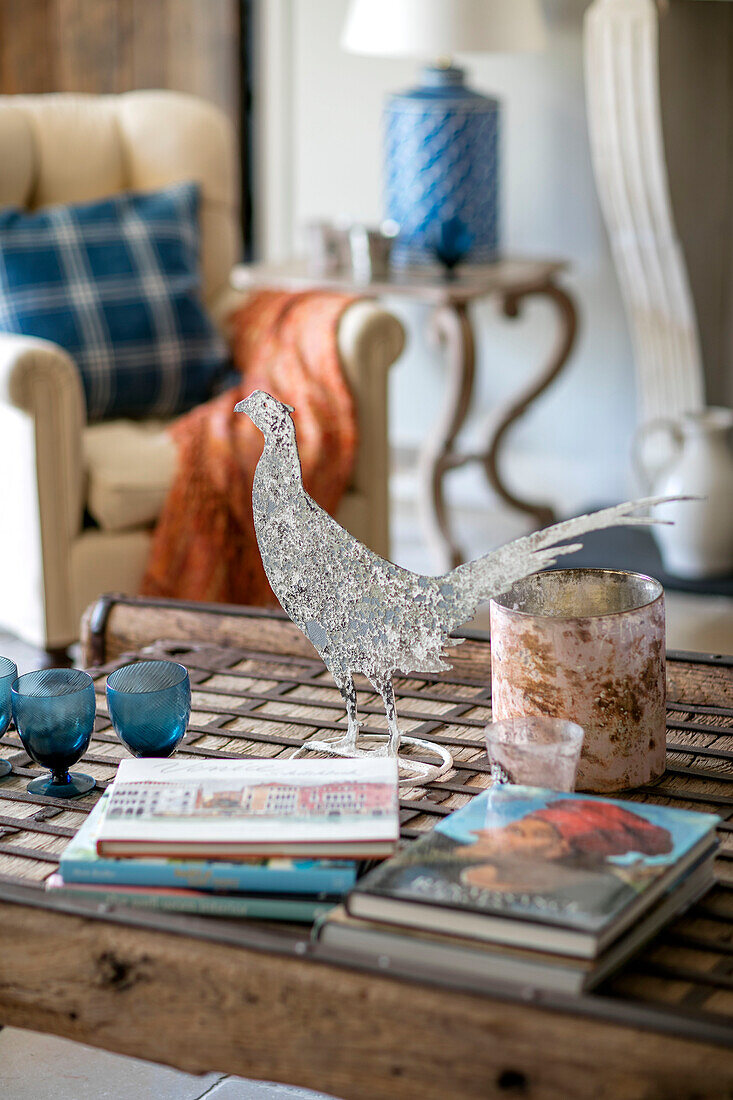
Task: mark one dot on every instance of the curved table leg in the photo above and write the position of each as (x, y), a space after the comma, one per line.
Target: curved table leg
(453, 328)
(565, 340)
(437, 457)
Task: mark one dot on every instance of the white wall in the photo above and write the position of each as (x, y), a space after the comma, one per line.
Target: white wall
(327, 162)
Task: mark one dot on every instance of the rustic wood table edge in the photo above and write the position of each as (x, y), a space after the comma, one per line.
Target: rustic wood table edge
(261, 1001)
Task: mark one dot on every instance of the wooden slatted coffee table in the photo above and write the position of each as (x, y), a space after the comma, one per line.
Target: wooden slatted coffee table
(259, 999)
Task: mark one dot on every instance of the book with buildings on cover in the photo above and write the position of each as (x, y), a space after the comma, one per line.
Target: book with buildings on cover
(80, 864)
(230, 809)
(432, 953)
(565, 873)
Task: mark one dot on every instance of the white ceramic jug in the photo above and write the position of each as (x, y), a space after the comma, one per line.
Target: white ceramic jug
(700, 464)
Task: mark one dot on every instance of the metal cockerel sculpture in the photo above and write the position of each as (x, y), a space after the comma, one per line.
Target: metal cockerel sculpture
(362, 613)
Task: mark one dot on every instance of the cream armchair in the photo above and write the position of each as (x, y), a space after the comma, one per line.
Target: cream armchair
(80, 500)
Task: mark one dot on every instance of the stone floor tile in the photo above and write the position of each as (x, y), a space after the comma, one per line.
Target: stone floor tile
(239, 1088)
(44, 1067)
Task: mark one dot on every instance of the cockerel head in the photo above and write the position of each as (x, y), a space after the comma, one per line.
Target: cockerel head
(271, 416)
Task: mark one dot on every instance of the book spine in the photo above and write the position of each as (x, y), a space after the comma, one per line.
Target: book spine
(320, 923)
(285, 909)
(130, 872)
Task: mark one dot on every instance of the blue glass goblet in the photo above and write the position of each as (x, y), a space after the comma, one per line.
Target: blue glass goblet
(149, 705)
(8, 673)
(54, 711)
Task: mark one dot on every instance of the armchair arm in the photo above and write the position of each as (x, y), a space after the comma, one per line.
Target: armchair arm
(42, 415)
(370, 339)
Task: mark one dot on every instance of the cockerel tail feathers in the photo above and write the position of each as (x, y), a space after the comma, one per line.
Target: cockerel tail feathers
(617, 515)
(493, 574)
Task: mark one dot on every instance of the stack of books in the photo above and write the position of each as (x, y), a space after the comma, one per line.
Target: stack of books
(528, 885)
(272, 839)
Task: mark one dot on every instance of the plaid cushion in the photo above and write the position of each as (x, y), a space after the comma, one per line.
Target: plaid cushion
(116, 282)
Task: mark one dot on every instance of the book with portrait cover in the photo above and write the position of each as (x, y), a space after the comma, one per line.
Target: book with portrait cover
(436, 954)
(234, 809)
(531, 867)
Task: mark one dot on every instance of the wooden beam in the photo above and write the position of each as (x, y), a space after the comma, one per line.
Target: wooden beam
(107, 46)
(204, 1006)
(88, 51)
(114, 625)
(29, 48)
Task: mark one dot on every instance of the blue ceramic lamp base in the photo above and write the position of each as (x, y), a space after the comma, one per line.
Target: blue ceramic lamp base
(5, 768)
(442, 171)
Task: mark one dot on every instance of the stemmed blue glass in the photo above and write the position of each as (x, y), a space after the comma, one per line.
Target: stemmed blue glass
(149, 705)
(54, 711)
(8, 673)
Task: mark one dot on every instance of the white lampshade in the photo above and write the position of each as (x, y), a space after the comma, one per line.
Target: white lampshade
(441, 28)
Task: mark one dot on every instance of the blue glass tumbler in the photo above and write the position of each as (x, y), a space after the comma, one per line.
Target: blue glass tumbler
(8, 673)
(54, 711)
(149, 704)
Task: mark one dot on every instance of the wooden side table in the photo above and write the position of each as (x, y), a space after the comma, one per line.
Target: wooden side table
(512, 281)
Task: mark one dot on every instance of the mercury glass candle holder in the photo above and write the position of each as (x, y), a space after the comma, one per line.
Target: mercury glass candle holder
(54, 712)
(149, 705)
(587, 645)
(536, 752)
(8, 673)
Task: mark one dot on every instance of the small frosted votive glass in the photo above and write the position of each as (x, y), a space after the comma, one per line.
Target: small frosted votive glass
(535, 752)
(149, 704)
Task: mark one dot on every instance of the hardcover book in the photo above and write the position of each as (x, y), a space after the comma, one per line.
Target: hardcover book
(220, 809)
(80, 864)
(285, 907)
(432, 953)
(532, 867)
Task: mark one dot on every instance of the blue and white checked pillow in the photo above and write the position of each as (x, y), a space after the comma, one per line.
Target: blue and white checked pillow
(116, 283)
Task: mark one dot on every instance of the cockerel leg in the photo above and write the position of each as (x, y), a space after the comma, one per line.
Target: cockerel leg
(348, 690)
(412, 771)
(387, 692)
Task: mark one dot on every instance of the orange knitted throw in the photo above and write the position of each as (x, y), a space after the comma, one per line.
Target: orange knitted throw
(204, 545)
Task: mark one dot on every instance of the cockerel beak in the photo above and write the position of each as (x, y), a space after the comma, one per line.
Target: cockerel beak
(260, 404)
